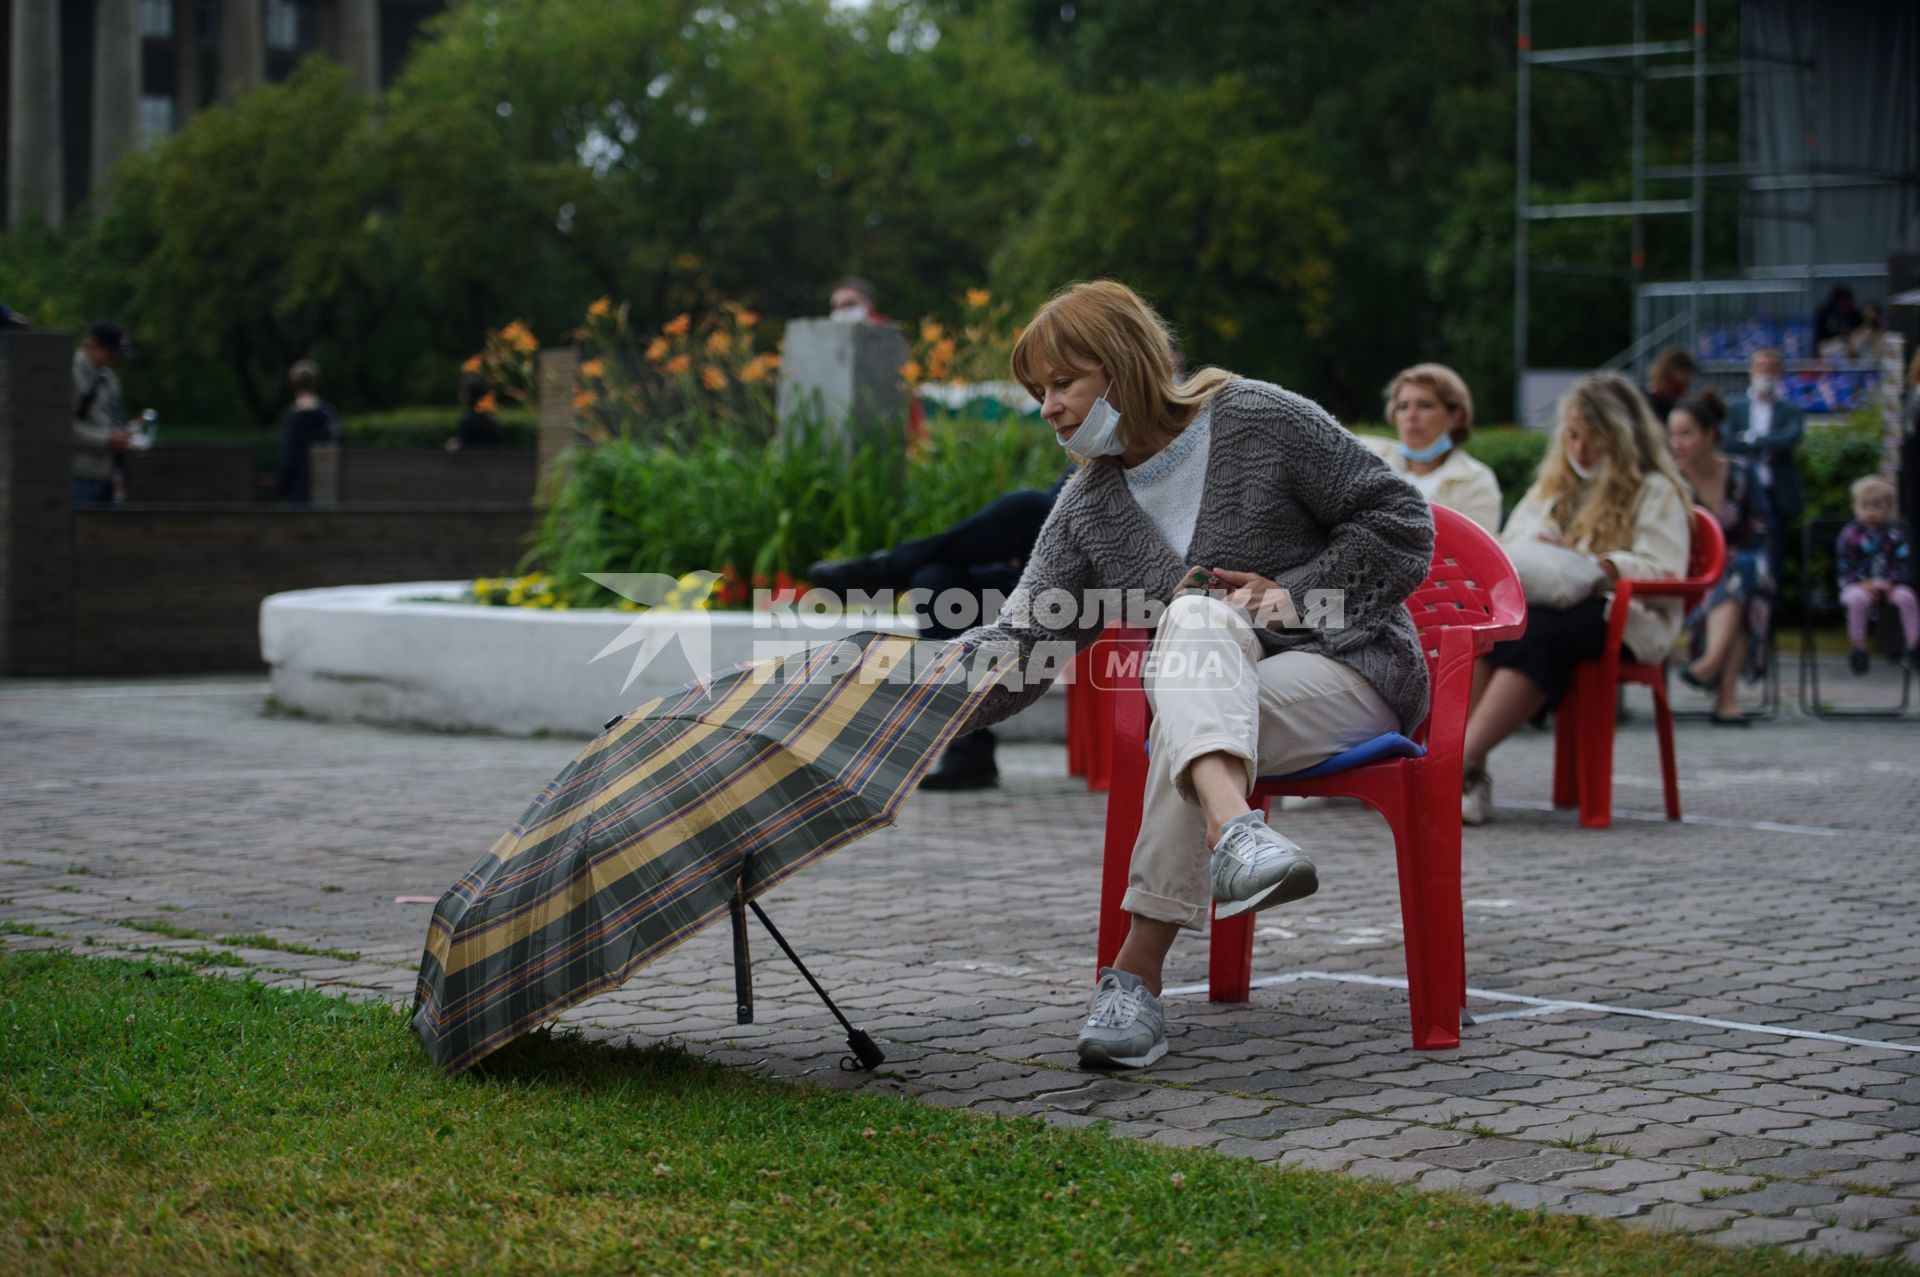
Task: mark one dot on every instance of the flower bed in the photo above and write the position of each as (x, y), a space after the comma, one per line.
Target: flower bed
(414, 654)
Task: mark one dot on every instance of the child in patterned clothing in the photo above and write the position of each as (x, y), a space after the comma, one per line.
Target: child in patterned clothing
(1875, 565)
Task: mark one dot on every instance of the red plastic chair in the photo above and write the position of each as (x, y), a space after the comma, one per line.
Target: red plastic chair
(1583, 726)
(1470, 600)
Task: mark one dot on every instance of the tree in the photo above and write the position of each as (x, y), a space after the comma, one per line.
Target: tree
(238, 246)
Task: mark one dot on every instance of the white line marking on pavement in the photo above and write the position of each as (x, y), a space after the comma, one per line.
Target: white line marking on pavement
(255, 773)
(1550, 1006)
(1722, 822)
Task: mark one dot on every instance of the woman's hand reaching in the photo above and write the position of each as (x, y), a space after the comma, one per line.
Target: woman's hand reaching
(1266, 601)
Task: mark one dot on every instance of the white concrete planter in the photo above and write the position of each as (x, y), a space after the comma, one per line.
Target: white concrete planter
(377, 653)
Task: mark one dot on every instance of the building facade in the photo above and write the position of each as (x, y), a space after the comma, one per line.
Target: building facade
(85, 81)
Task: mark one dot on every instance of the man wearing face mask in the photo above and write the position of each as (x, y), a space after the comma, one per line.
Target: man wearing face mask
(851, 302)
(1764, 425)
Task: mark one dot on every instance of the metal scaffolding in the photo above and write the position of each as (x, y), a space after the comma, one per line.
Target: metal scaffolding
(1674, 311)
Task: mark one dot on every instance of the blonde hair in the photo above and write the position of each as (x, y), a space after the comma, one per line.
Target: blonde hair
(1106, 325)
(1597, 515)
(1871, 485)
(1447, 387)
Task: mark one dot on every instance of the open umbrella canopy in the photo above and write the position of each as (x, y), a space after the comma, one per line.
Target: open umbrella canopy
(714, 793)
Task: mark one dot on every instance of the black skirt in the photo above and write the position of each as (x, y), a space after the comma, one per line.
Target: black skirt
(1557, 639)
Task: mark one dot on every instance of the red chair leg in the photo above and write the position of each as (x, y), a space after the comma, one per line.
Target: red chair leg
(1566, 752)
(1430, 912)
(1099, 755)
(1230, 960)
(1669, 772)
(1596, 726)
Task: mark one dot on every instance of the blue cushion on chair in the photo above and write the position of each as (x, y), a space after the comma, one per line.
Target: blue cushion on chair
(1391, 745)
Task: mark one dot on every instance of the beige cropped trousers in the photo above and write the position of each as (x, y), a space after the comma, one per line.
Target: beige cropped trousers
(1213, 689)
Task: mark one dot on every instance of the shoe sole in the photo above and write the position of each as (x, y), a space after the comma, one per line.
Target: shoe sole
(1094, 1056)
(1297, 883)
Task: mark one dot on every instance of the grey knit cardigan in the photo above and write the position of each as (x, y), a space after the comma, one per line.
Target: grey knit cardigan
(1290, 495)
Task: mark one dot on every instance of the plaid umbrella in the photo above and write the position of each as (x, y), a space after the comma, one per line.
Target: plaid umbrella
(677, 815)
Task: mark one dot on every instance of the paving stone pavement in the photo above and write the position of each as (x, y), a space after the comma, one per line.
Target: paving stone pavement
(1642, 1076)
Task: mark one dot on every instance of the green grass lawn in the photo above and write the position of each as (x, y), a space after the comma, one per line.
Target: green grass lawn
(157, 1120)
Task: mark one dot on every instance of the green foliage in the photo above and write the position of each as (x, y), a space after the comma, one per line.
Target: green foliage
(1832, 457)
(1513, 453)
(713, 493)
(1256, 227)
(162, 1121)
(1319, 195)
(430, 426)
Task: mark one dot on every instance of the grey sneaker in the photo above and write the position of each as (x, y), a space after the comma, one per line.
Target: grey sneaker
(1253, 867)
(1126, 1027)
(1476, 796)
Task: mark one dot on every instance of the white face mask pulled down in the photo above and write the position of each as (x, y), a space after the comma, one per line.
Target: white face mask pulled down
(1098, 434)
(854, 314)
(1585, 472)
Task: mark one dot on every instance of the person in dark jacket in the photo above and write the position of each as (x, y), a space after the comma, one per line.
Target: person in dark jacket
(310, 421)
(1765, 425)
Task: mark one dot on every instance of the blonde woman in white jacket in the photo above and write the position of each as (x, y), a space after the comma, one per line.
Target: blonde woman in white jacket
(1607, 488)
(1431, 411)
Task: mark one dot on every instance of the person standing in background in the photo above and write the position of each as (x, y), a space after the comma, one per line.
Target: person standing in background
(1765, 425)
(99, 413)
(309, 422)
(1669, 380)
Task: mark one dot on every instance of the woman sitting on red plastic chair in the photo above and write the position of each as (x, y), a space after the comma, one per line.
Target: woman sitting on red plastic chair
(1608, 489)
(1290, 519)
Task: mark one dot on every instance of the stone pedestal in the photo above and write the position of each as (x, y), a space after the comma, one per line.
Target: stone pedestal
(558, 379)
(36, 502)
(846, 376)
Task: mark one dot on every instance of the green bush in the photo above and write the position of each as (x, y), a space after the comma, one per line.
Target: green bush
(710, 494)
(430, 426)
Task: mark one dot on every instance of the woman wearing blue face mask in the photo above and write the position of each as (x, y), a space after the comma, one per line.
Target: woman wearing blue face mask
(1278, 553)
(1432, 413)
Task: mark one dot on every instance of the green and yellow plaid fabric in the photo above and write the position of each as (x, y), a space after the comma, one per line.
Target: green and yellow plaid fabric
(641, 841)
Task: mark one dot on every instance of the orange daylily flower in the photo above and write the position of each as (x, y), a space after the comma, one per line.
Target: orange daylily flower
(719, 342)
(677, 326)
(746, 319)
(656, 350)
(472, 365)
(930, 331)
(594, 368)
(712, 378)
(910, 370)
(754, 369)
(583, 400)
(978, 297)
(679, 363)
(600, 307)
(486, 403)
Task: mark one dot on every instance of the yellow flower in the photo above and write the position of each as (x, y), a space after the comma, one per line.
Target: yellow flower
(520, 337)
(677, 326)
(978, 297)
(712, 378)
(746, 319)
(657, 350)
(719, 342)
(594, 368)
(472, 365)
(910, 370)
(679, 363)
(600, 307)
(583, 400)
